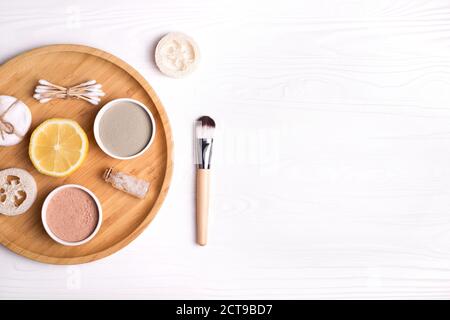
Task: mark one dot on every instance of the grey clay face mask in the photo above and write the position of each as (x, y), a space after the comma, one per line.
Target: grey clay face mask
(125, 129)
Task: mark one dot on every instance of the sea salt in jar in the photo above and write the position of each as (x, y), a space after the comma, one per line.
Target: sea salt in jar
(127, 183)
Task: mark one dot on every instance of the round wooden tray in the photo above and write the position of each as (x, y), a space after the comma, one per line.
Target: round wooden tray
(125, 217)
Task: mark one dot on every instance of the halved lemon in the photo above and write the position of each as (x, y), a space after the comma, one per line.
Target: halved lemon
(58, 147)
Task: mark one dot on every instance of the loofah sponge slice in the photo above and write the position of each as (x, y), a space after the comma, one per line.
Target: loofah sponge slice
(18, 191)
(177, 55)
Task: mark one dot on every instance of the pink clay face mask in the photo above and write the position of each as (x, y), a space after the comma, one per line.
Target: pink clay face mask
(72, 215)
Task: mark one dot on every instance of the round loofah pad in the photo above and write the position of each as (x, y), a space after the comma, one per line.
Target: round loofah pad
(18, 191)
(177, 55)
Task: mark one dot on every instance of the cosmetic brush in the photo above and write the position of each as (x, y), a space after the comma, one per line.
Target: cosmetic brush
(204, 134)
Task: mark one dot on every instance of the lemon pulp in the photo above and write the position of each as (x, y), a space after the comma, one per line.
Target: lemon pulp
(58, 147)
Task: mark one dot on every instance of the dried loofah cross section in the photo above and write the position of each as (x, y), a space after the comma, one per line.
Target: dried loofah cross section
(18, 191)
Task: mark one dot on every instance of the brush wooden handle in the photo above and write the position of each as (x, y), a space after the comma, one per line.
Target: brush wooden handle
(202, 205)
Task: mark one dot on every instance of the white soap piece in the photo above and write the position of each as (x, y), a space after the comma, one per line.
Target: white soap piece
(15, 120)
(18, 191)
(177, 55)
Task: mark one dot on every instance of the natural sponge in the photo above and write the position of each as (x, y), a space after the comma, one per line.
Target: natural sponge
(18, 191)
(177, 55)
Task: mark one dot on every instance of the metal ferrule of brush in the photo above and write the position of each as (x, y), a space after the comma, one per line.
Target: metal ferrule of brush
(204, 153)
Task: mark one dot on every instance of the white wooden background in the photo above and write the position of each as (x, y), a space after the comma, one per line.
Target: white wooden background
(332, 167)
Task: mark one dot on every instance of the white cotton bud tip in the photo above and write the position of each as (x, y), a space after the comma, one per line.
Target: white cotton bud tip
(47, 88)
(95, 93)
(44, 82)
(96, 86)
(85, 84)
(45, 100)
(39, 90)
(37, 96)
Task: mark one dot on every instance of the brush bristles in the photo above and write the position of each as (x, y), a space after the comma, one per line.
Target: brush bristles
(204, 128)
